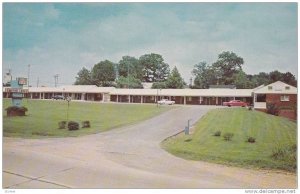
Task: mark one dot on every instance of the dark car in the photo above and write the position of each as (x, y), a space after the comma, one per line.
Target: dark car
(58, 97)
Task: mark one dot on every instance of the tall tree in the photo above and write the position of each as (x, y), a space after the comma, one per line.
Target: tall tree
(129, 82)
(103, 73)
(227, 65)
(275, 76)
(242, 81)
(84, 77)
(175, 80)
(289, 79)
(130, 65)
(159, 85)
(205, 75)
(260, 79)
(154, 68)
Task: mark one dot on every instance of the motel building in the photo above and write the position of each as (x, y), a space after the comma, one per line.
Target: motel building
(279, 93)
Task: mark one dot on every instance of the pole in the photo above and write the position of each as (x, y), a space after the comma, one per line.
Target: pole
(28, 94)
(68, 111)
(28, 75)
(157, 98)
(68, 100)
(56, 79)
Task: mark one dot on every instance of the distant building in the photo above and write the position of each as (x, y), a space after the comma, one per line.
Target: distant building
(282, 95)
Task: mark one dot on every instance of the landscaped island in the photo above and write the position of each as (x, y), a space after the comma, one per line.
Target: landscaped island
(43, 117)
(237, 136)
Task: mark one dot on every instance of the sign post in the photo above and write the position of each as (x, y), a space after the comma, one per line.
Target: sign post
(18, 91)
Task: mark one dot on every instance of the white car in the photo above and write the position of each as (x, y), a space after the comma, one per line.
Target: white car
(166, 101)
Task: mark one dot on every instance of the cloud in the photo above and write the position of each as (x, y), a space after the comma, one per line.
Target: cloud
(62, 39)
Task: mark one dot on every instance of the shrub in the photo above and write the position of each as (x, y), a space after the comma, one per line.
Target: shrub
(272, 109)
(188, 140)
(250, 108)
(251, 139)
(228, 136)
(62, 124)
(217, 133)
(16, 111)
(72, 125)
(86, 124)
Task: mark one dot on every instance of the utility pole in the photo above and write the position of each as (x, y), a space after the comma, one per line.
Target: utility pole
(37, 82)
(28, 94)
(28, 75)
(56, 79)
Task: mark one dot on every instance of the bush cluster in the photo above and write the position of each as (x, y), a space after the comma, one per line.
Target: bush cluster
(73, 125)
(229, 136)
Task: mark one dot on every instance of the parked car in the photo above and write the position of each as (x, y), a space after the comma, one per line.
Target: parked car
(235, 103)
(58, 97)
(166, 101)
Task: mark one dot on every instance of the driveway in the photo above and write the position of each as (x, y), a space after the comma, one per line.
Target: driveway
(127, 157)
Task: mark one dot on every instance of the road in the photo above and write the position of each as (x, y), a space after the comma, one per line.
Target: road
(127, 157)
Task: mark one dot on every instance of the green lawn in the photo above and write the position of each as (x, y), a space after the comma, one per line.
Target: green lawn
(275, 146)
(42, 117)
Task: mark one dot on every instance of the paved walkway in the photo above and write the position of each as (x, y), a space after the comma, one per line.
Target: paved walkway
(127, 157)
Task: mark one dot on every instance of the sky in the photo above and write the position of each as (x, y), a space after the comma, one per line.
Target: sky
(62, 38)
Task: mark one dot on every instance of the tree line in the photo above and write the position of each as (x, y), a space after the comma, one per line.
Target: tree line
(130, 72)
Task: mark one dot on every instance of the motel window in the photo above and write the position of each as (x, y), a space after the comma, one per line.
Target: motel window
(270, 87)
(189, 98)
(284, 98)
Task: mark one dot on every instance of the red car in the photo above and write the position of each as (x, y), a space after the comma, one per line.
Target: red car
(235, 103)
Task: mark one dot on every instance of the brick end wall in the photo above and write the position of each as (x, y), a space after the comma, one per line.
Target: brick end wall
(275, 98)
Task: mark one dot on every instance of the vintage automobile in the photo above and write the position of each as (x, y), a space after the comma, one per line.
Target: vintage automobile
(58, 97)
(166, 101)
(235, 103)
